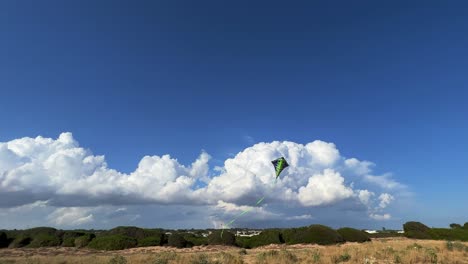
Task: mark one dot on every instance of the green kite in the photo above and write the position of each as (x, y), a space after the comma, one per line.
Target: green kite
(280, 164)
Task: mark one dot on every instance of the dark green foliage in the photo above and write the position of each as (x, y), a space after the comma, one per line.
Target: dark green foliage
(145, 237)
(453, 225)
(20, 241)
(84, 240)
(195, 240)
(3, 240)
(449, 234)
(318, 234)
(266, 237)
(68, 242)
(243, 242)
(135, 232)
(465, 226)
(44, 240)
(353, 235)
(112, 242)
(68, 237)
(149, 242)
(177, 240)
(228, 238)
(416, 230)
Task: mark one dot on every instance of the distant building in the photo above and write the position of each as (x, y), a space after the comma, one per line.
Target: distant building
(248, 233)
(371, 231)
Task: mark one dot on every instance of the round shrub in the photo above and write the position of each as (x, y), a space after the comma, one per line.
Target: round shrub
(3, 240)
(149, 242)
(84, 240)
(314, 234)
(44, 240)
(195, 240)
(353, 235)
(177, 240)
(20, 241)
(112, 242)
(416, 230)
(228, 238)
(266, 237)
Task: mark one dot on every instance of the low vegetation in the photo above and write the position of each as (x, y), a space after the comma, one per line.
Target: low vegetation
(112, 242)
(353, 235)
(123, 237)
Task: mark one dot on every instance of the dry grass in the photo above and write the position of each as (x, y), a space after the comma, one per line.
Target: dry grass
(378, 251)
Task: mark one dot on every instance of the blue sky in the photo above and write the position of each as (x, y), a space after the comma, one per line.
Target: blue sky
(384, 82)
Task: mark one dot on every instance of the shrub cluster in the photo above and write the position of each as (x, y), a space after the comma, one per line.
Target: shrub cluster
(83, 241)
(112, 242)
(353, 235)
(227, 238)
(416, 230)
(177, 240)
(3, 240)
(315, 234)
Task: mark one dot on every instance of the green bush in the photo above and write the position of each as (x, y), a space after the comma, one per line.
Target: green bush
(84, 240)
(266, 237)
(453, 225)
(416, 230)
(449, 234)
(353, 235)
(135, 232)
(68, 237)
(20, 241)
(465, 226)
(315, 234)
(228, 238)
(195, 240)
(243, 242)
(112, 242)
(3, 240)
(149, 242)
(44, 240)
(177, 240)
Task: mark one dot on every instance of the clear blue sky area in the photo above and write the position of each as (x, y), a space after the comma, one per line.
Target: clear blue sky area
(386, 81)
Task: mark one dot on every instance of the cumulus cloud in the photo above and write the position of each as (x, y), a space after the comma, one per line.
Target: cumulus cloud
(71, 216)
(61, 174)
(325, 188)
(300, 217)
(385, 199)
(380, 216)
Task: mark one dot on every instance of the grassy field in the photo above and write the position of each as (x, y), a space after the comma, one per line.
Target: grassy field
(395, 250)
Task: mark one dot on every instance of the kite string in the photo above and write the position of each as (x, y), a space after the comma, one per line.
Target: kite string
(249, 209)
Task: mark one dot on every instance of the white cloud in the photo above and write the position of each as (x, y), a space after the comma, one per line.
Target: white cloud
(380, 217)
(385, 199)
(385, 181)
(325, 188)
(71, 216)
(300, 217)
(365, 196)
(71, 179)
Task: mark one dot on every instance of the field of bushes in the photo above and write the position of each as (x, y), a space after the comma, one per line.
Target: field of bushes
(131, 237)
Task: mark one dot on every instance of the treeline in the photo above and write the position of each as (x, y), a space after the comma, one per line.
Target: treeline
(128, 237)
(418, 230)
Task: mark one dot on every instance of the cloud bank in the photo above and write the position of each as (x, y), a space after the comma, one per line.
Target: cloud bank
(76, 188)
